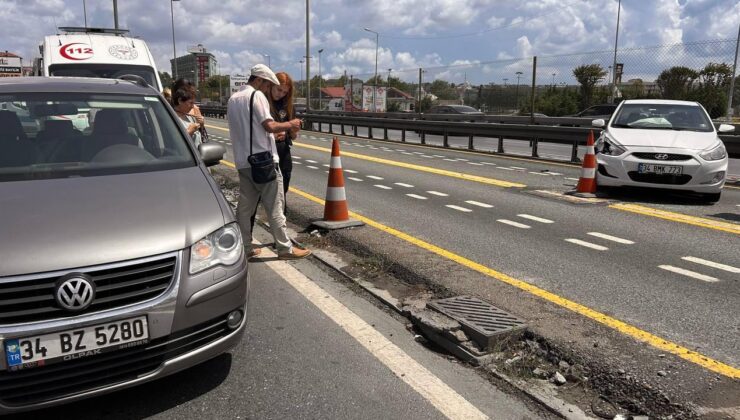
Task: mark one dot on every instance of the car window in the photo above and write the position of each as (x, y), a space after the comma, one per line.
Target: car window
(72, 135)
(663, 116)
(105, 71)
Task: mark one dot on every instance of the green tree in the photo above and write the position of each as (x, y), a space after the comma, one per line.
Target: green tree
(165, 78)
(443, 90)
(676, 82)
(588, 75)
(711, 92)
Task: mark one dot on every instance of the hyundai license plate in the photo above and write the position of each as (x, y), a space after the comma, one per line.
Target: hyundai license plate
(28, 352)
(649, 168)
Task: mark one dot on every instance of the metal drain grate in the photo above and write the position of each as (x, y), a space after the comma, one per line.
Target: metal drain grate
(481, 321)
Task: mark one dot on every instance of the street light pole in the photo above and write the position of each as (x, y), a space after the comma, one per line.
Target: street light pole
(308, 53)
(300, 65)
(518, 76)
(553, 79)
(268, 59)
(174, 49)
(375, 81)
(389, 81)
(320, 51)
(614, 63)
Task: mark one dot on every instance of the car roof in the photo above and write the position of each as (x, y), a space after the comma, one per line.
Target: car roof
(659, 102)
(71, 84)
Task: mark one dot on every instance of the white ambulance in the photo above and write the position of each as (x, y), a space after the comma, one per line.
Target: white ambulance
(96, 52)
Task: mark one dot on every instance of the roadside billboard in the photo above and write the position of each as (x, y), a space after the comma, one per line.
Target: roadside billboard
(379, 97)
(237, 82)
(10, 67)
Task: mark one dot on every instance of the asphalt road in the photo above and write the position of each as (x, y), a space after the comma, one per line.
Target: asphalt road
(676, 280)
(296, 362)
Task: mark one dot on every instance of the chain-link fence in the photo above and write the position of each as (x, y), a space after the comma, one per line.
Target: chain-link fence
(561, 84)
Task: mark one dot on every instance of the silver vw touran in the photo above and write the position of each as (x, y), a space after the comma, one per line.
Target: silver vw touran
(120, 261)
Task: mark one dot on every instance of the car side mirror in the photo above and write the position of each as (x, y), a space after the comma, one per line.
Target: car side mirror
(211, 153)
(726, 128)
(598, 123)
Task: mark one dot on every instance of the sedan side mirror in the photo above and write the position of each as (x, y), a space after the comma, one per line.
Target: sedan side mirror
(726, 128)
(598, 123)
(211, 153)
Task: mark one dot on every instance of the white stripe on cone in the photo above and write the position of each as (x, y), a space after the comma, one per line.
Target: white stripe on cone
(588, 173)
(590, 150)
(335, 194)
(336, 162)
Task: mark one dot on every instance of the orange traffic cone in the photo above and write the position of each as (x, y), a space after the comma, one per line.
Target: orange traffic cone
(587, 181)
(336, 213)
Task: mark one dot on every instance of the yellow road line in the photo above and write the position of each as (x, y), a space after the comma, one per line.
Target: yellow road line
(458, 175)
(622, 327)
(679, 217)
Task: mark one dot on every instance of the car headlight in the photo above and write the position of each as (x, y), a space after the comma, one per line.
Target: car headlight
(716, 153)
(607, 146)
(223, 247)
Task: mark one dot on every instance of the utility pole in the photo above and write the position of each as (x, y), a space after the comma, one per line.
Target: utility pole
(300, 65)
(419, 110)
(732, 81)
(174, 49)
(614, 63)
(518, 76)
(84, 11)
(308, 54)
(320, 79)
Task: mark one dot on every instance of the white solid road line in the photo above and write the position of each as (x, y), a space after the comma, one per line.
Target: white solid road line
(479, 204)
(611, 238)
(401, 184)
(458, 208)
(311, 167)
(513, 223)
(712, 264)
(416, 196)
(535, 218)
(689, 273)
(355, 179)
(420, 379)
(384, 187)
(437, 193)
(587, 244)
(378, 178)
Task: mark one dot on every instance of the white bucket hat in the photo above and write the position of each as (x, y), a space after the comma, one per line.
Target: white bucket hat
(264, 72)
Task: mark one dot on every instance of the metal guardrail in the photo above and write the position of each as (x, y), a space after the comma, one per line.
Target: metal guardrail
(559, 130)
(569, 131)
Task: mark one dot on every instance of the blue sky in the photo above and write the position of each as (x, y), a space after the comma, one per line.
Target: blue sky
(413, 33)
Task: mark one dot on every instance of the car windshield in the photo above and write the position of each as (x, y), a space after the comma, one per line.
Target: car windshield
(104, 71)
(66, 135)
(464, 109)
(663, 117)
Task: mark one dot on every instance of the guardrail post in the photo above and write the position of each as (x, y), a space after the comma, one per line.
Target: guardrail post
(342, 125)
(423, 137)
(385, 134)
(403, 136)
(320, 128)
(354, 130)
(445, 140)
(535, 144)
(500, 145)
(369, 132)
(470, 142)
(331, 128)
(574, 154)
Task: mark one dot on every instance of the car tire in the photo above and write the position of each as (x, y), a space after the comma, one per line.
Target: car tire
(711, 198)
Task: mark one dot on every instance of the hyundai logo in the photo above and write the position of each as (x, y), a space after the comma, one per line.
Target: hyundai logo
(75, 293)
(661, 156)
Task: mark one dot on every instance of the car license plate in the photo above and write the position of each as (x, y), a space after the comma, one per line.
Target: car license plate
(649, 168)
(74, 344)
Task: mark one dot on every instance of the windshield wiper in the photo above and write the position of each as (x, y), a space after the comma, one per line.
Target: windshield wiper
(621, 126)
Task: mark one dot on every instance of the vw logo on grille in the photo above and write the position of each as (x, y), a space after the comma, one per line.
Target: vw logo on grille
(661, 156)
(75, 293)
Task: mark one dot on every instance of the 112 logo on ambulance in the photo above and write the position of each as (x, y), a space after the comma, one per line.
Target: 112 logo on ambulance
(76, 51)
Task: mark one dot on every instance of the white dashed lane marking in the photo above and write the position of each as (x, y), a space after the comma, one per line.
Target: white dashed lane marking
(712, 264)
(450, 160)
(438, 156)
(416, 196)
(383, 187)
(611, 238)
(378, 178)
(311, 161)
(539, 173)
(518, 168)
(587, 244)
(349, 171)
(406, 153)
(437, 193)
(297, 163)
(311, 167)
(505, 168)
(479, 204)
(513, 223)
(535, 218)
(401, 184)
(296, 157)
(458, 208)
(462, 160)
(571, 179)
(427, 156)
(475, 163)
(489, 163)
(355, 179)
(326, 165)
(689, 273)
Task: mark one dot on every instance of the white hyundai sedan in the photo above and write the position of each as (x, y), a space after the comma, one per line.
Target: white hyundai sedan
(662, 144)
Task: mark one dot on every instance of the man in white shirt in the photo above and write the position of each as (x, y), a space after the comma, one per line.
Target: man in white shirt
(262, 140)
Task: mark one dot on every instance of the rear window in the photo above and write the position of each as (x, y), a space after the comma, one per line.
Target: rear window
(76, 135)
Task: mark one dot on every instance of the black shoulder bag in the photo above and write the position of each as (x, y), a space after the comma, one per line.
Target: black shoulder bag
(262, 164)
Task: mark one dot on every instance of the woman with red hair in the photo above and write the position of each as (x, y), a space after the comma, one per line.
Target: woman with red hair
(281, 107)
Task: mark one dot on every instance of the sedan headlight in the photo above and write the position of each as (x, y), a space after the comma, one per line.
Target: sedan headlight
(607, 146)
(223, 246)
(717, 152)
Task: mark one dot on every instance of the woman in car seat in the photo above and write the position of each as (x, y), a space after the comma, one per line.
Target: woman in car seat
(183, 100)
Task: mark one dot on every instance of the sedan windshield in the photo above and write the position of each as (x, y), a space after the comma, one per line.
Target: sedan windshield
(663, 117)
(77, 135)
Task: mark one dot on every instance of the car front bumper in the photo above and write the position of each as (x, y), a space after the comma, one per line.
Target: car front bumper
(187, 326)
(697, 175)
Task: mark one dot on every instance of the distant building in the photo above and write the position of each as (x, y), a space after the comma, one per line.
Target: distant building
(404, 100)
(197, 66)
(10, 65)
